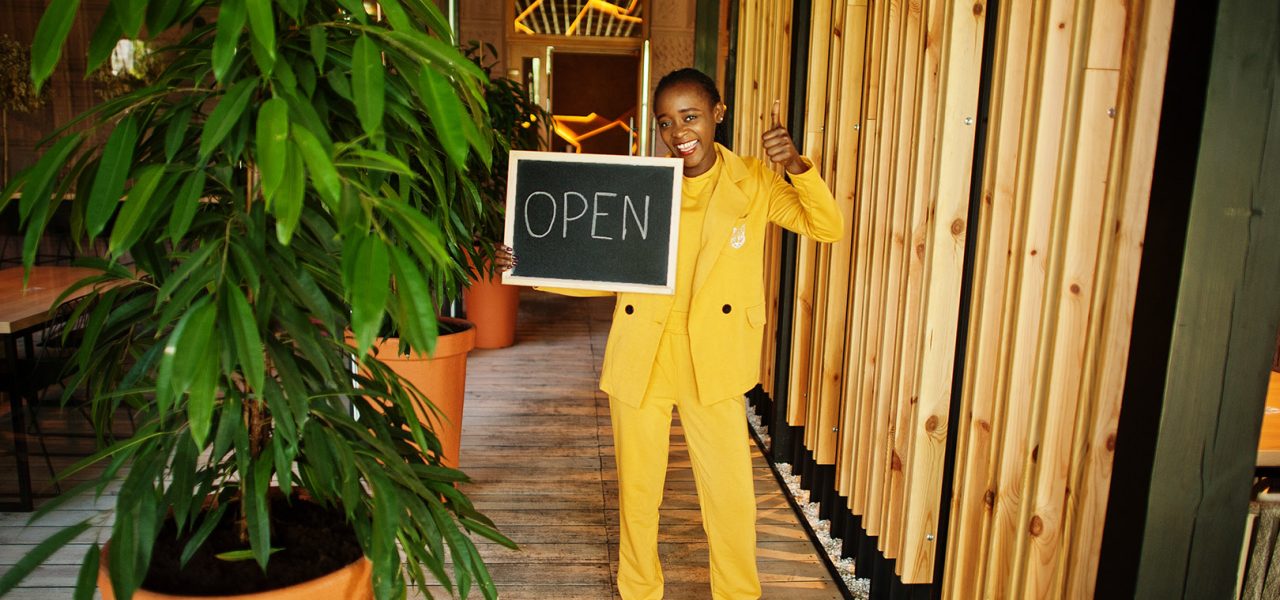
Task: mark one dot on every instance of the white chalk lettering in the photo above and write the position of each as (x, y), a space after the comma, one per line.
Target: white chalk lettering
(550, 224)
(567, 218)
(643, 225)
(596, 214)
(634, 215)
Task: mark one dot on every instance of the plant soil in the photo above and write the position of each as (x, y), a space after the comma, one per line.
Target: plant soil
(314, 542)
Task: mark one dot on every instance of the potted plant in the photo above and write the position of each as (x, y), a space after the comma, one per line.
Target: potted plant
(297, 169)
(518, 123)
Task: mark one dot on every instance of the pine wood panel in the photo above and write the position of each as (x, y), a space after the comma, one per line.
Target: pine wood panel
(1065, 198)
(984, 398)
(898, 274)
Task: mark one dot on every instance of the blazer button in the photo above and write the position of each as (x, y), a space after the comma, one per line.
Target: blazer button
(630, 309)
(727, 309)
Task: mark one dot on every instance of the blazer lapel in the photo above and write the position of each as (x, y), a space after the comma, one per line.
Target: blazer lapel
(728, 206)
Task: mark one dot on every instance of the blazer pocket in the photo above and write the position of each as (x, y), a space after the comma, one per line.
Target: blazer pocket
(756, 315)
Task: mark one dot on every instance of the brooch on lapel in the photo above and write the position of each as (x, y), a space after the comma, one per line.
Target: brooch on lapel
(739, 236)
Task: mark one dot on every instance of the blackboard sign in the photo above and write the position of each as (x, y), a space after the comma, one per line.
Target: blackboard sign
(593, 221)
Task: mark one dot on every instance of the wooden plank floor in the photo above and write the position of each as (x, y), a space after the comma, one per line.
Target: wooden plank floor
(536, 440)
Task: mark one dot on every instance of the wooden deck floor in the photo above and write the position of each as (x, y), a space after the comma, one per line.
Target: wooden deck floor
(537, 442)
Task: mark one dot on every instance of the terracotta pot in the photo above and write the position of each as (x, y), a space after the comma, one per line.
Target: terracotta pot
(353, 581)
(442, 377)
(492, 306)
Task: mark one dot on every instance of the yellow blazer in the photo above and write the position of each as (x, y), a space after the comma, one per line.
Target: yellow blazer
(727, 309)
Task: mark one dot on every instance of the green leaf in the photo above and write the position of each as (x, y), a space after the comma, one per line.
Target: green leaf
(40, 177)
(104, 39)
(259, 482)
(211, 520)
(272, 144)
(87, 580)
(175, 135)
(324, 177)
(113, 169)
(51, 33)
(263, 26)
(36, 556)
(319, 45)
(367, 84)
(160, 15)
(339, 84)
(225, 116)
(287, 207)
(131, 223)
(231, 17)
(186, 205)
(293, 8)
(446, 112)
(130, 14)
(395, 16)
(369, 291)
(248, 341)
(419, 315)
(197, 366)
(241, 555)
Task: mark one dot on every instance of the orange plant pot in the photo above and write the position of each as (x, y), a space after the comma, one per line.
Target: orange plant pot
(354, 581)
(492, 306)
(442, 378)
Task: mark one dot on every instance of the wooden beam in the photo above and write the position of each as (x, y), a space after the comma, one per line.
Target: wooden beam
(1226, 316)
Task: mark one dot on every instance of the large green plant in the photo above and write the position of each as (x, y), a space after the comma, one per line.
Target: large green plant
(299, 169)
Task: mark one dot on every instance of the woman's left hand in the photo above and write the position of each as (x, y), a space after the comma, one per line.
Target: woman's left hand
(779, 147)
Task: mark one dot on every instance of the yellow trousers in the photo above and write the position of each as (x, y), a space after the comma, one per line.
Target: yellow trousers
(720, 453)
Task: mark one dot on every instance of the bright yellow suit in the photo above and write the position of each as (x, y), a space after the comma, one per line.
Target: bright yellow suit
(699, 350)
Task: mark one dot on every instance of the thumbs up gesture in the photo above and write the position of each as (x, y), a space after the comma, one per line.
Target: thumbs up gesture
(779, 147)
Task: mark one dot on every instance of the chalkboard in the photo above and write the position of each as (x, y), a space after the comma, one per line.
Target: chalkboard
(593, 221)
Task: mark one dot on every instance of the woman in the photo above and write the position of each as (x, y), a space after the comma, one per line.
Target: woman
(699, 350)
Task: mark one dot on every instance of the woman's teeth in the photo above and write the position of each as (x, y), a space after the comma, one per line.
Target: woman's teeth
(687, 147)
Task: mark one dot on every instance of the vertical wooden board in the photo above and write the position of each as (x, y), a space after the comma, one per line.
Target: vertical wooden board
(960, 61)
(837, 299)
(836, 167)
(862, 334)
(748, 38)
(919, 219)
(881, 197)
(801, 332)
(816, 344)
(1084, 163)
(983, 399)
(854, 413)
(890, 372)
(817, 99)
(1146, 50)
(1042, 133)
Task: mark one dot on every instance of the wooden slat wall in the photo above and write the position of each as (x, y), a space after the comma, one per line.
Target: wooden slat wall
(887, 95)
(891, 120)
(1075, 112)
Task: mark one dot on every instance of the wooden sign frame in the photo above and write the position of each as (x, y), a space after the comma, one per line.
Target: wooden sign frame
(520, 157)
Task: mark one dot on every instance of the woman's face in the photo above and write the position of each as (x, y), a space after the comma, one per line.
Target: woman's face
(687, 118)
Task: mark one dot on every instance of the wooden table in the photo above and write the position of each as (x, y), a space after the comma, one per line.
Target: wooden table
(23, 310)
(1269, 441)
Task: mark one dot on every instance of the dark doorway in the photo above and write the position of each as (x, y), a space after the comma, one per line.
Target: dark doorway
(593, 102)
